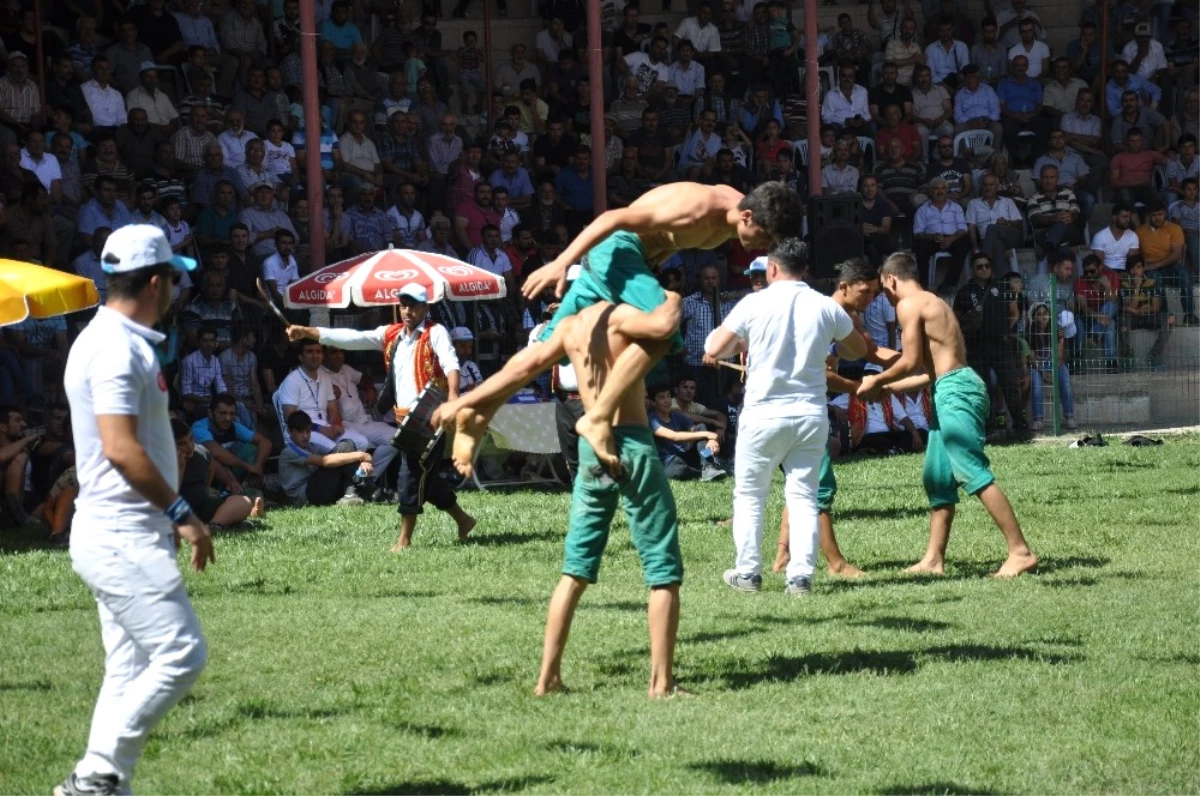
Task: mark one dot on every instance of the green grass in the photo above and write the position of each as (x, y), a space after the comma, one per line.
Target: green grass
(337, 668)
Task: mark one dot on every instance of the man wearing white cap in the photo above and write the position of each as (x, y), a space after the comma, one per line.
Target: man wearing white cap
(469, 375)
(419, 353)
(128, 515)
(160, 111)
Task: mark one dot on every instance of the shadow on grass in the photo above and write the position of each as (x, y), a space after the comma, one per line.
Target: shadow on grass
(448, 787)
(905, 623)
(891, 572)
(36, 685)
(757, 772)
(1186, 491)
(894, 513)
(718, 635)
(586, 749)
(934, 789)
(628, 606)
(510, 538)
(258, 710)
(1182, 659)
(431, 731)
(506, 600)
(27, 538)
(780, 668)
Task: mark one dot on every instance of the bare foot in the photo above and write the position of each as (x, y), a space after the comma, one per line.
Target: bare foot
(927, 567)
(782, 559)
(469, 429)
(600, 436)
(259, 510)
(725, 523)
(1016, 565)
(465, 528)
(846, 570)
(402, 544)
(674, 692)
(551, 685)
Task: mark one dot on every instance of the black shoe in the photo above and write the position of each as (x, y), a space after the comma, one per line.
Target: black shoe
(107, 785)
(384, 495)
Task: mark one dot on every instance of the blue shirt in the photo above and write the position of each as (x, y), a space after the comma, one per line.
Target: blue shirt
(576, 191)
(517, 186)
(970, 105)
(343, 37)
(202, 430)
(329, 142)
(1144, 88)
(1020, 97)
(92, 217)
(666, 447)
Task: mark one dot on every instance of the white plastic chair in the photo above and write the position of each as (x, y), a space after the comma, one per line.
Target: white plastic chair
(800, 147)
(867, 144)
(973, 139)
(933, 261)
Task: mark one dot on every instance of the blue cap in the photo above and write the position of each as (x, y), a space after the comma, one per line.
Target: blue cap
(758, 266)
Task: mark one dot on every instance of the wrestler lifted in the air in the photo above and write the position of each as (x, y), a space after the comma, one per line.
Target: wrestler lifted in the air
(623, 246)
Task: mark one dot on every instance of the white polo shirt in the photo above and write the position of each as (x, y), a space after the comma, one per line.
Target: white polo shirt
(47, 169)
(112, 370)
(349, 402)
(282, 274)
(403, 376)
(787, 328)
(311, 396)
(1115, 251)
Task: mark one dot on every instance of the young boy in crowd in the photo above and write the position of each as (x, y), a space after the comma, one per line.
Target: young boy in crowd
(315, 479)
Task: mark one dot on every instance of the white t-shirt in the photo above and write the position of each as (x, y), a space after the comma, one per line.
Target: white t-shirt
(1036, 53)
(647, 73)
(177, 234)
(787, 328)
(1155, 59)
(915, 409)
(1115, 251)
(409, 227)
(274, 270)
(311, 396)
(279, 158)
(349, 402)
(876, 422)
(47, 169)
(112, 369)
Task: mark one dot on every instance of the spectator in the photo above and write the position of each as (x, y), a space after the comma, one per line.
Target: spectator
(839, 177)
(1036, 53)
(1097, 303)
(1161, 246)
(1054, 212)
(574, 188)
(1149, 121)
(1143, 306)
(489, 256)
(310, 478)
(940, 226)
(509, 218)
(469, 375)
(197, 473)
(977, 106)
(339, 30)
(472, 216)
(849, 44)
(1012, 19)
(700, 147)
(280, 269)
(847, 108)
(906, 53)
(45, 167)
(1186, 213)
(407, 221)
(439, 238)
(1086, 53)
(102, 211)
(877, 215)
(552, 41)
(702, 312)
(196, 30)
(160, 111)
(685, 403)
(1183, 167)
(900, 180)
(192, 145)
(127, 56)
(1072, 171)
(351, 387)
(954, 170)
(260, 104)
(988, 54)
(399, 154)
(104, 100)
(994, 224)
(200, 374)
(932, 112)
(890, 92)
(727, 171)
(1042, 353)
(522, 247)
(263, 219)
(1061, 94)
(216, 219)
(235, 138)
(1145, 56)
(236, 447)
(164, 177)
(688, 451)
(213, 310)
(202, 97)
(1131, 171)
(1082, 129)
(32, 221)
(360, 165)
(563, 80)
(545, 214)
(465, 175)
(242, 36)
(651, 68)
(1121, 80)
(239, 367)
(894, 128)
(509, 77)
(515, 179)
(1021, 110)
(15, 462)
(947, 56)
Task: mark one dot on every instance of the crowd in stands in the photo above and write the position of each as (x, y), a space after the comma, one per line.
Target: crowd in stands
(963, 136)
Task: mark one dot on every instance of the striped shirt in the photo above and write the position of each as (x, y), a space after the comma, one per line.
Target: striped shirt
(1063, 201)
(700, 317)
(20, 100)
(189, 145)
(242, 34)
(199, 376)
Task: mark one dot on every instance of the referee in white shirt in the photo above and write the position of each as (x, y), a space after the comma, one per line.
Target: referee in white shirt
(785, 331)
(128, 515)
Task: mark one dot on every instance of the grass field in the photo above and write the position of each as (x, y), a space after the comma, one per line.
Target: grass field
(336, 667)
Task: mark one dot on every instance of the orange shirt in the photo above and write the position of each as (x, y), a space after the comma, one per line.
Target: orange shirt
(1156, 244)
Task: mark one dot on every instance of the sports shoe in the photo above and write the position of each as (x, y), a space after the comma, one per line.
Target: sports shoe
(384, 495)
(107, 785)
(711, 473)
(748, 583)
(351, 498)
(799, 587)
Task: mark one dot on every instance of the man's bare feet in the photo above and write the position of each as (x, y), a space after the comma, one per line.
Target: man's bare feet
(725, 523)
(927, 566)
(259, 510)
(600, 436)
(465, 527)
(469, 428)
(549, 685)
(401, 547)
(674, 692)
(846, 570)
(782, 559)
(1016, 565)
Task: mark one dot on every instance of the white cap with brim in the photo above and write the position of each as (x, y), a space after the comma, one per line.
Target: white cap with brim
(415, 293)
(1066, 322)
(461, 334)
(757, 266)
(147, 66)
(138, 246)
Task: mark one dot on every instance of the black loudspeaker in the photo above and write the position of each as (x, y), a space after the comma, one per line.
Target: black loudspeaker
(835, 232)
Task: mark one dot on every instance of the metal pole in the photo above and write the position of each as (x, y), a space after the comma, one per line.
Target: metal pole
(1054, 401)
(488, 121)
(596, 114)
(812, 93)
(1105, 111)
(39, 53)
(313, 131)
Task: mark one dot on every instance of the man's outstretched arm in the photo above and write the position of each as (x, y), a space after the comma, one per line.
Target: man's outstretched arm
(912, 330)
(346, 339)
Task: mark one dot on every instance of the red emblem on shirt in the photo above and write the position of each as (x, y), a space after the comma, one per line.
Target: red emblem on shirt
(162, 381)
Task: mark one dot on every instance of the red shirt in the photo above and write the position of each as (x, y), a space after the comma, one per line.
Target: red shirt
(909, 137)
(516, 258)
(476, 220)
(1093, 294)
(1137, 169)
(768, 153)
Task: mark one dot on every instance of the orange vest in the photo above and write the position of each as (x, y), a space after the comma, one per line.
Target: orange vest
(426, 367)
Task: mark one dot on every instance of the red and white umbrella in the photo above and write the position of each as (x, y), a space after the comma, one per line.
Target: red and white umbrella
(375, 279)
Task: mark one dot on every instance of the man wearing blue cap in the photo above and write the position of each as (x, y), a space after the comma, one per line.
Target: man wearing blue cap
(129, 516)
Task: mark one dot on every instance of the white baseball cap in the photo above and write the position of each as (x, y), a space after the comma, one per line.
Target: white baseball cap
(137, 246)
(414, 292)
(757, 266)
(460, 334)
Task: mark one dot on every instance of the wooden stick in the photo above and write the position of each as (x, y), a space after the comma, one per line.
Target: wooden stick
(262, 291)
(731, 365)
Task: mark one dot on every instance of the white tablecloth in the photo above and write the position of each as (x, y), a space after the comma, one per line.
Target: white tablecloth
(529, 428)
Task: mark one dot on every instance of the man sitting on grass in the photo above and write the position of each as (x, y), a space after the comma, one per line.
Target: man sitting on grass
(688, 450)
(320, 479)
(242, 451)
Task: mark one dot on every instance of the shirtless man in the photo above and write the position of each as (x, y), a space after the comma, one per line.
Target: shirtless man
(858, 284)
(934, 350)
(628, 243)
(594, 339)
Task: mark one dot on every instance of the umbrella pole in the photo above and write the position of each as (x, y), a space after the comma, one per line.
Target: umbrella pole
(312, 138)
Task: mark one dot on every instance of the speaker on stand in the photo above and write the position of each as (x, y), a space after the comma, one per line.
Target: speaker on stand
(835, 232)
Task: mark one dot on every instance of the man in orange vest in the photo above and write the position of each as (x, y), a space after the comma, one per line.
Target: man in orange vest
(419, 353)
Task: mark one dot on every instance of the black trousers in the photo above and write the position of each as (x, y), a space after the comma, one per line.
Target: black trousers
(567, 412)
(924, 249)
(418, 485)
(1002, 355)
(327, 485)
(884, 441)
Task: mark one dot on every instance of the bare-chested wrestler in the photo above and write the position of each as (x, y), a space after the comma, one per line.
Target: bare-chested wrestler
(622, 247)
(933, 350)
(594, 339)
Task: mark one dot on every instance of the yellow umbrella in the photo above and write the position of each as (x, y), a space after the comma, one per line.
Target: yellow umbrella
(28, 290)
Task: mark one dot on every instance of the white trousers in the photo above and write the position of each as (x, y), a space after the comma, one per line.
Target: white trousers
(764, 443)
(365, 436)
(153, 647)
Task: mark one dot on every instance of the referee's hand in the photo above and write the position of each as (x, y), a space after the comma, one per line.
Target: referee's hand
(198, 536)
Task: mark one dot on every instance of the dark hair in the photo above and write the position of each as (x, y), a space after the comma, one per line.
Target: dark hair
(31, 190)
(776, 208)
(989, 20)
(857, 269)
(1156, 206)
(180, 429)
(1186, 138)
(104, 179)
(790, 254)
(307, 342)
(528, 84)
(206, 330)
(129, 284)
(681, 379)
(658, 389)
(489, 228)
(900, 264)
(224, 399)
(299, 421)
(1189, 180)
(280, 234)
(1132, 131)
(1121, 207)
